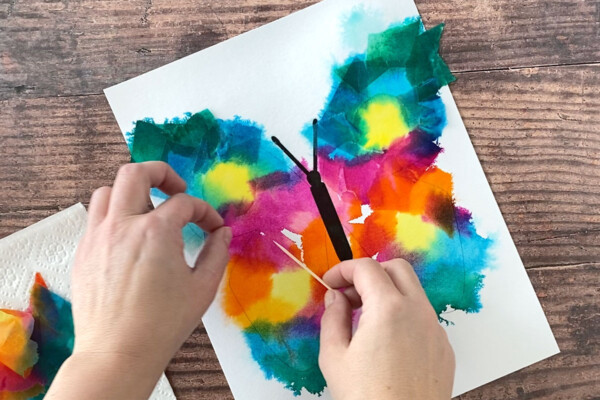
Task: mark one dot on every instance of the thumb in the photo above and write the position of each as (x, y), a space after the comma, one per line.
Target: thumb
(211, 264)
(336, 326)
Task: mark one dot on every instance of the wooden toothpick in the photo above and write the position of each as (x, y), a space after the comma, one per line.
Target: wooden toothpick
(300, 263)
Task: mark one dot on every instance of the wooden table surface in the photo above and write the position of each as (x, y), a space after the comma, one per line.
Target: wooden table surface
(528, 89)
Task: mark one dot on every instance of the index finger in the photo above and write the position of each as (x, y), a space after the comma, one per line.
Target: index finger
(131, 190)
(182, 209)
(365, 274)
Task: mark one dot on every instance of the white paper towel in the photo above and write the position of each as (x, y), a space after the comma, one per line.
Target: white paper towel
(48, 247)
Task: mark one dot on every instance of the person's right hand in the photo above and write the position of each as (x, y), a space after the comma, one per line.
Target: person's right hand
(399, 350)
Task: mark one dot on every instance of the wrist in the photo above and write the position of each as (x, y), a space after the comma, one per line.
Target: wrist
(105, 375)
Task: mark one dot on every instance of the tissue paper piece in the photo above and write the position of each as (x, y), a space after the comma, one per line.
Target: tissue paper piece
(17, 351)
(47, 247)
(33, 352)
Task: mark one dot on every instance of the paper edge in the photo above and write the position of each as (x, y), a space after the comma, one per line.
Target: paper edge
(77, 208)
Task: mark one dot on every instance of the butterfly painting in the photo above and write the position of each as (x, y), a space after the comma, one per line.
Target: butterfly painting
(334, 133)
(378, 142)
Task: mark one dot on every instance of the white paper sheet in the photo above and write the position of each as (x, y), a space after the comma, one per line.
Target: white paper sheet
(265, 76)
(48, 247)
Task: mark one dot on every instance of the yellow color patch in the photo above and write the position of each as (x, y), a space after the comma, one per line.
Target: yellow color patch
(292, 287)
(17, 351)
(414, 233)
(382, 122)
(290, 294)
(227, 182)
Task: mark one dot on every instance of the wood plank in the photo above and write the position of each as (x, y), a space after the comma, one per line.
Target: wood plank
(81, 47)
(489, 34)
(195, 372)
(54, 153)
(570, 298)
(536, 131)
(537, 134)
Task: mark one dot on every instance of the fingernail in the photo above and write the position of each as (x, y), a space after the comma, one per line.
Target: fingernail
(329, 298)
(227, 235)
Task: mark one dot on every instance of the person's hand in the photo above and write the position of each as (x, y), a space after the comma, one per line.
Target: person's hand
(399, 350)
(135, 300)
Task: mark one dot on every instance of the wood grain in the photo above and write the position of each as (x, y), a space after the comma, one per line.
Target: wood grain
(535, 130)
(64, 47)
(54, 153)
(537, 134)
(488, 34)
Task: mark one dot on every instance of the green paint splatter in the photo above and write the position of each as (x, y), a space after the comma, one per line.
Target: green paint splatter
(288, 352)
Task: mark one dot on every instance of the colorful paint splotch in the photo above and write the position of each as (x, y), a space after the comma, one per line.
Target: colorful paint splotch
(34, 344)
(379, 140)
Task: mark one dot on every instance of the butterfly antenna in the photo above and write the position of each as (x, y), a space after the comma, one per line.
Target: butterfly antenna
(289, 154)
(315, 140)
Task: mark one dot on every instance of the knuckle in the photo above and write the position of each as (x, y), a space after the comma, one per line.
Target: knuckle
(400, 263)
(203, 208)
(100, 191)
(178, 199)
(186, 197)
(367, 267)
(369, 261)
(162, 167)
(397, 264)
(111, 232)
(392, 305)
(110, 224)
(159, 163)
(130, 169)
(153, 223)
(202, 203)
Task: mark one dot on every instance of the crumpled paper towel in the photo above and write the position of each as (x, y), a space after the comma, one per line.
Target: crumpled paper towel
(48, 247)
